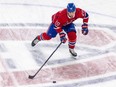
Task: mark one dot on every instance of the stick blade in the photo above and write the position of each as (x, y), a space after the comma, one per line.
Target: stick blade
(31, 77)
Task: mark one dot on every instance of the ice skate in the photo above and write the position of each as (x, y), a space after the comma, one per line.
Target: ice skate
(35, 41)
(73, 52)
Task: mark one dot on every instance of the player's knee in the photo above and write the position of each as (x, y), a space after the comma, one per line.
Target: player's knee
(72, 36)
(44, 36)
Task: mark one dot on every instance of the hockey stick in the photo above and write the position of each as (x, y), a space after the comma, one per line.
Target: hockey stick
(32, 76)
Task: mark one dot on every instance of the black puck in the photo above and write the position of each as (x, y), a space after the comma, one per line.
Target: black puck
(54, 81)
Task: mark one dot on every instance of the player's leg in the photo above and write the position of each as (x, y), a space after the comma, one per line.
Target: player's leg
(43, 36)
(72, 41)
(71, 33)
(51, 33)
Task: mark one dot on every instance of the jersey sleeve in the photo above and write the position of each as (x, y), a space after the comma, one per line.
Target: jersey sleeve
(58, 25)
(84, 15)
(58, 21)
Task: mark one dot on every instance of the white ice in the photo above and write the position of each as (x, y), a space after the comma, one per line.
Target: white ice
(40, 11)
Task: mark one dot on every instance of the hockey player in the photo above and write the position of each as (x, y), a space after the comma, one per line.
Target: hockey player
(62, 24)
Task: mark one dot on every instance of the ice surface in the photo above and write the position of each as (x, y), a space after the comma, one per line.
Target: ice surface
(23, 20)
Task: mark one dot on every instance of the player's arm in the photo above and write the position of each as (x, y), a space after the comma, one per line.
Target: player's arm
(58, 28)
(84, 15)
(57, 22)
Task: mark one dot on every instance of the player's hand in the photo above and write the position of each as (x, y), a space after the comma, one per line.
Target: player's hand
(63, 38)
(85, 29)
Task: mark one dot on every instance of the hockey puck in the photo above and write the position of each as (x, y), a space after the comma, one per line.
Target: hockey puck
(54, 81)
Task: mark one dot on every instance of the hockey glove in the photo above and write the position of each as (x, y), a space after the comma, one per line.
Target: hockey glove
(85, 29)
(63, 38)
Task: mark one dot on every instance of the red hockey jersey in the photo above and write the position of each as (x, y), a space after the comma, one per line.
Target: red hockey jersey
(61, 19)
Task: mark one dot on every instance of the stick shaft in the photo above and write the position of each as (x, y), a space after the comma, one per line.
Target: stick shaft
(31, 77)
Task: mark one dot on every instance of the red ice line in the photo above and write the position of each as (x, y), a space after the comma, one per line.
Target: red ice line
(65, 73)
(95, 37)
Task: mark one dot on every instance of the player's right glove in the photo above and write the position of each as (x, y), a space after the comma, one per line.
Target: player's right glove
(85, 29)
(63, 38)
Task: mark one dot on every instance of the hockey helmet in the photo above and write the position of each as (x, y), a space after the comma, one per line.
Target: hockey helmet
(71, 7)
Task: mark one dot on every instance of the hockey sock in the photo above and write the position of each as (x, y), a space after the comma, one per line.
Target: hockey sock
(44, 36)
(72, 39)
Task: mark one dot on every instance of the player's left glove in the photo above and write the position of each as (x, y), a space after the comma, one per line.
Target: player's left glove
(63, 38)
(85, 29)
